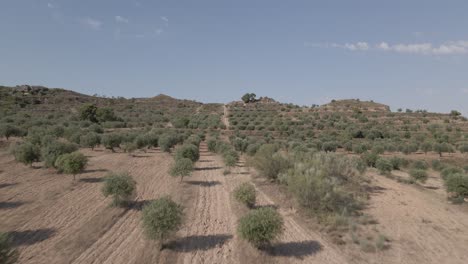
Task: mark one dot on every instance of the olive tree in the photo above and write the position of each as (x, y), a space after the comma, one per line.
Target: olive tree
(71, 163)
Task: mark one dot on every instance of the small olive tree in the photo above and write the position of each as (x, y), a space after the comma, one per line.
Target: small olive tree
(182, 167)
(120, 186)
(72, 163)
(260, 226)
(161, 219)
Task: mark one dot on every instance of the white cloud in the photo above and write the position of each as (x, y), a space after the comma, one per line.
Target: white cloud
(120, 19)
(446, 48)
(165, 19)
(158, 31)
(464, 90)
(91, 23)
(50, 5)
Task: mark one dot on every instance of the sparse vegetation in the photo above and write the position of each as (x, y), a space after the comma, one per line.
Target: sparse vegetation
(26, 153)
(72, 163)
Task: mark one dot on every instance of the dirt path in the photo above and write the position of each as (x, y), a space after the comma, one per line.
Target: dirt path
(226, 117)
(423, 226)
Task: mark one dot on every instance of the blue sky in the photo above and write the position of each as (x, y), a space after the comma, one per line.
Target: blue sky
(409, 54)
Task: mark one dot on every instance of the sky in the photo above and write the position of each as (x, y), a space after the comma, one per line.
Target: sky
(404, 53)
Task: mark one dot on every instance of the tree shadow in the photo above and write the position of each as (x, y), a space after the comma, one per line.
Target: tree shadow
(138, 205)
(30, 237)
(295, 249)
(205, 160)
(95, 170)
(204, 183)
(432, 187)
(194, 243)
(91, 180)
(4, 185)
(207, 168)
(10, 205)
(376, 189)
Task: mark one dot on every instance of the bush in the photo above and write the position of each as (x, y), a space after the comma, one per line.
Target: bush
(458, 184)
(418, 175)
(26, 153)
(325, 183)
(129, 147)
(53, 149)
(398, 163)
(212, 145)
(166, 142)
(260, 226)
(384, 166)
(72, 163)
(8, 255)
(450, 170)
(90, 140)
(181, 168)
(420, 165)
(188, 151)
(268, 162)
(120, 186)
(370, 159)
(8, 131)
(111, 141)
(437, 165)
(245, 193)
(161, 218)
(329, 146)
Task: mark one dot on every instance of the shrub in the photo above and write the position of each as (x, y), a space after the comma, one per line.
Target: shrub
(418, 175)
(420, 165)
(245, 193)
(181, 168)
(161, 218)
(268, 162)
(189, 151)
(260, 226)
(8, 255)
(450, 170)
(53, 149)
(437, 165)
(458, 184)
(90, 140)
(8, 131)
(129, 147)
(329, 146)
(88, 112)
(398, 163)
(212, 145)
(120, 186)
(111, 141)
(370, 158)
(325, 183)
(230, 158)
(166, 142)
(71, 163)
(384, 166)
(26, 153)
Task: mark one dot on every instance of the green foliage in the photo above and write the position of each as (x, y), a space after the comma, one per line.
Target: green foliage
(325, 183)
(90, 140)
(249, 97)
(418, 175)
(245, 193)
(269, 162)
(457, 183)
(8, 255)
(180, 122)
(88, 112)
(162, 218)
(370, 158)
(384, 166)
(129, 147)
(189, 151)
(7, 131)
(71, 163)
(50, 151)
(120, 186)
(26, 153)
(167, 141)
(420, 165)
(449, 170)
(111, 141)
(181, 168)
(398, 163)
(260, 226)
(212, 145)
(330, 146)
(442, 147)
(105, 114)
